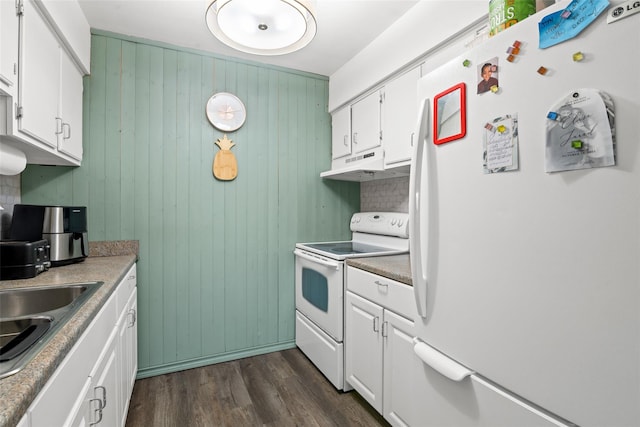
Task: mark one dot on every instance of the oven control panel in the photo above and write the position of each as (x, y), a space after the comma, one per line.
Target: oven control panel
(383, 223)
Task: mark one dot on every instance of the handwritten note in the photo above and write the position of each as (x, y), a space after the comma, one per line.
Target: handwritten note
(501, 144)
(581, 136)
(565, 24)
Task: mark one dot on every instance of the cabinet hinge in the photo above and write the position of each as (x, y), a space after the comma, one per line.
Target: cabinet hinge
(19, 112)
(381, 97)
(19, 7)
(380, 135)
(15, 68)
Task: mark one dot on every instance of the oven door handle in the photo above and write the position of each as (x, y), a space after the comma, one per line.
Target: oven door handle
(317, 260)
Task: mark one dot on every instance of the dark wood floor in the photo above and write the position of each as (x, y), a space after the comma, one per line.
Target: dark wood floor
(276, 389)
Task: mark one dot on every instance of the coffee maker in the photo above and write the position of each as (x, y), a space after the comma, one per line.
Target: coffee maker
(65, 227)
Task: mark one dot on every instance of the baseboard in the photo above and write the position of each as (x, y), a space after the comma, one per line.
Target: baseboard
(210, 360)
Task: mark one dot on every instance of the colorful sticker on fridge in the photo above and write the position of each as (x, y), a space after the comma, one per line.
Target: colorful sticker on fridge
(488, 75)
(501, 144)
(565, 24)
(580, 132)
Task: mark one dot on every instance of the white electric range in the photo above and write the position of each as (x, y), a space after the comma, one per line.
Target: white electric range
(320, 285)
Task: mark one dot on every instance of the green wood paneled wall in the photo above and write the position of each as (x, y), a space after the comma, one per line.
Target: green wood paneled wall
(216, 269)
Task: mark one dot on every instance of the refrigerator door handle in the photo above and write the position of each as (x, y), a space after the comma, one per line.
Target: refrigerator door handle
(418, 244)
(439, 362)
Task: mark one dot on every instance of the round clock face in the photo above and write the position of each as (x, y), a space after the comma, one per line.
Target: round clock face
(226, 112)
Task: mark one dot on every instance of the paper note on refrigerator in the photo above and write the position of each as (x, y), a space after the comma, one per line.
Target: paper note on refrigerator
(580, 132)
(501, 144)
(568, 23)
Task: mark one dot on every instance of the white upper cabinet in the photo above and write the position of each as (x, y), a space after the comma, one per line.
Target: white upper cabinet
(341, 133)
(44, 114)
(39, 87)
(69, 119)
(400, 114)
(8, 47)
(365, 123)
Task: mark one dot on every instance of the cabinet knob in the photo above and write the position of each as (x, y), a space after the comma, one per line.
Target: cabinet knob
(376, 324)
(133, 317)
(97, 411)
(59, 125)
(67, 134)
(381, 285)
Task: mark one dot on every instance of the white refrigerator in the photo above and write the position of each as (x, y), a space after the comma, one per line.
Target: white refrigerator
(525, 227)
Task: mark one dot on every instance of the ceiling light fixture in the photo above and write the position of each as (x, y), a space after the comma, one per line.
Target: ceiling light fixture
(262, 27)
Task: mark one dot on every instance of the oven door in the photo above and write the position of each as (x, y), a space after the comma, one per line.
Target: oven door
(320, 291)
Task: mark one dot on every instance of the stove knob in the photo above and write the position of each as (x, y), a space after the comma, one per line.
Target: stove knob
(400, 222)
(393, 221)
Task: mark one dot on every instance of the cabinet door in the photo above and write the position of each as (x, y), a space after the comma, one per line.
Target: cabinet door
(39, 84)
(341, 133)
(103, 402)
(365, 123)
(80, 415)
(8, 46)
(70, 113)
(127, 355)
(400, 117)
(402, 369)
(363, 348)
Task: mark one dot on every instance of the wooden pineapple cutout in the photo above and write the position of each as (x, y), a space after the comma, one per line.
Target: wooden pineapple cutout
(225, 166)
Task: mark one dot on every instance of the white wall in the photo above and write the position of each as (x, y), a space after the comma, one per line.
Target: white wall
(425, 26)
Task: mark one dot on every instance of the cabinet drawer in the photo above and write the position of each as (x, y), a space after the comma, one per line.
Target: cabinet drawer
(388, 293)
(123, 292)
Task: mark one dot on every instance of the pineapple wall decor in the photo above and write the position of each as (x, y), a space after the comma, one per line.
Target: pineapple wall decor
(225, 166)
(227, 113)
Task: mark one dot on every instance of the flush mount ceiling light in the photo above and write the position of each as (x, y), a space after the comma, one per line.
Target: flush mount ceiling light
(262, 27)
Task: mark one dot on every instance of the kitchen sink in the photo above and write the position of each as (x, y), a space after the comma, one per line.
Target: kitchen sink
(18, 335)
(29, 317)
(28, 301)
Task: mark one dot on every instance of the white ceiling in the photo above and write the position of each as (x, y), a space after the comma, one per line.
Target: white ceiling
(344, 28)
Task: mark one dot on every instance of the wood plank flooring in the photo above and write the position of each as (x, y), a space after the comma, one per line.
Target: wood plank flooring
(275, 389)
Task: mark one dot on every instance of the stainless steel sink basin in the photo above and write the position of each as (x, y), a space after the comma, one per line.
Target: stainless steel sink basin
(18, 335)
(29, 317)
(28, 301)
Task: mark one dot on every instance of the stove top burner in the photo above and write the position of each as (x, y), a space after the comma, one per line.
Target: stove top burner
(346, 248)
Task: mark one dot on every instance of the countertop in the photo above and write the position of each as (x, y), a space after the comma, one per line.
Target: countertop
(18, 391)
(394, 267)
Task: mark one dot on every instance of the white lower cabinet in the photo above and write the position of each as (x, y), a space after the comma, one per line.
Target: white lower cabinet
(93, 384)
(363, 359)
(127, 354)
(379, 315)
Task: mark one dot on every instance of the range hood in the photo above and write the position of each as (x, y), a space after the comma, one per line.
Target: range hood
(367, 166)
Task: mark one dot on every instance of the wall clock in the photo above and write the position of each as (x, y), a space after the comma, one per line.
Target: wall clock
(226, 112)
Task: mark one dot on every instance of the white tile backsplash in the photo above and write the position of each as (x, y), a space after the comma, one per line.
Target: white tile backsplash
(385, 195)
(9, 196)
